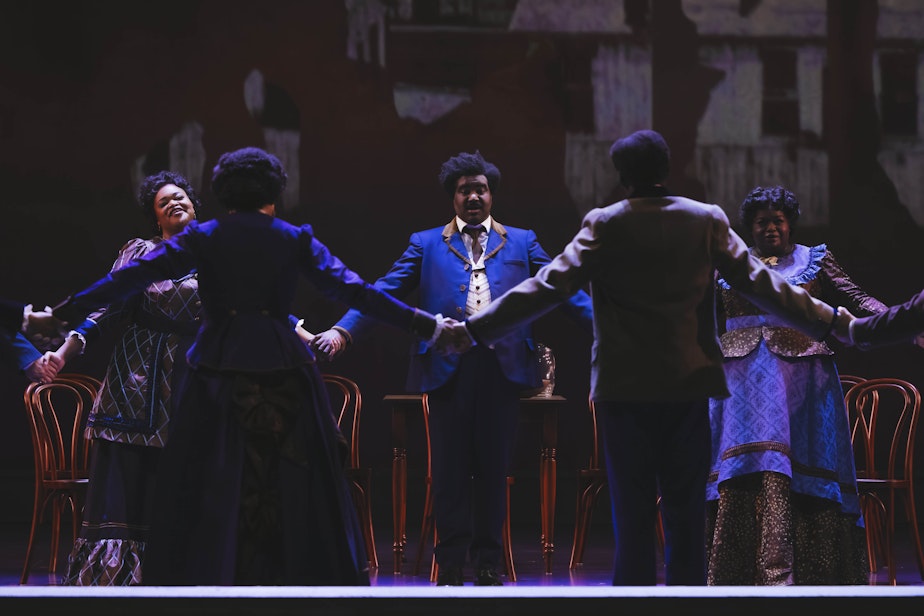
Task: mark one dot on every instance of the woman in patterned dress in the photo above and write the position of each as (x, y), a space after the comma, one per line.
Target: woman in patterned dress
(782, 504)
(129, 419)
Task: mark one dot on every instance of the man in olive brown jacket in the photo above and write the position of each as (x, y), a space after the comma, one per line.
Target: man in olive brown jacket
(651, 262)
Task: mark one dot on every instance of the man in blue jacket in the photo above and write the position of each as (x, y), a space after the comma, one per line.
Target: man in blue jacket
(473, 397)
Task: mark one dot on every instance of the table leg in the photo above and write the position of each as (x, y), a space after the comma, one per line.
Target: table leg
(399, 487)
(548, 476)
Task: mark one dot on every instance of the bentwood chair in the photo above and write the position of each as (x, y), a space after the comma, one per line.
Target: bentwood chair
(848, 381)
(428, 526)
(347, 403)
(591, 482)
(883, 414)
(57, 419)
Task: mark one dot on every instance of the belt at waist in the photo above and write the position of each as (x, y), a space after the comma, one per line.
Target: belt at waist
(224, 313)
(755, 320)
(166, 325)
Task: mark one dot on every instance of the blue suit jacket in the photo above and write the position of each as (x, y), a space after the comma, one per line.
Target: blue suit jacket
(18, 349)
(436, 263)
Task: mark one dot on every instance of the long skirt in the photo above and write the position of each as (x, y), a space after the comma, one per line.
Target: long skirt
(782, 492)
(116, 517)
(252, 489)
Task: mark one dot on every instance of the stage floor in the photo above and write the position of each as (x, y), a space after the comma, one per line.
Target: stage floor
(585, 590)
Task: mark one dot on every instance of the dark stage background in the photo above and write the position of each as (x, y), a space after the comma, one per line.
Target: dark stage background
(88, 88)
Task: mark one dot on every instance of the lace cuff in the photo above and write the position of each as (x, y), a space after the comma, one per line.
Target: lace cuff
(440, 324)
(81, 337)
(26, 310)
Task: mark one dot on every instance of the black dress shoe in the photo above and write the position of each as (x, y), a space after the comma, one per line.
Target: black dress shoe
(487, 576)
(450, 576)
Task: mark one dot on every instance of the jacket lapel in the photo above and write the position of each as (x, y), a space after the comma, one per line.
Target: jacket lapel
(496, 239)
(453, 240)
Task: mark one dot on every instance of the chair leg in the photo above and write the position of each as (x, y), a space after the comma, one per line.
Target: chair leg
(915, 533)
(361, 493)
(889, 540)
(369, 536)
(76, 517)
(434, 567)
(56, 508)
(508, 544)
(36, 514)
(426, 526)
(873, 512)
(587, 498)
(659, 529)
(580, 530)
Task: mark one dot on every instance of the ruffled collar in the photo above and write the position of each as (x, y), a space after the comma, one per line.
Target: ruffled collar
(798, 267)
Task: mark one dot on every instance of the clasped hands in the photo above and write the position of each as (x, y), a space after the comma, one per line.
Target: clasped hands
(452, 337)
(449, 337)
(44, 369)
(842, 328)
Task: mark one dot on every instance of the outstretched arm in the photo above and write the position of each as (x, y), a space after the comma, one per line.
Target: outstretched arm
(900, 323)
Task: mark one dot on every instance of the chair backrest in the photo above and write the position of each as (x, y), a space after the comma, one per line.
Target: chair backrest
(347, 404)
(883, 414)
(58, 413)
(848, 381)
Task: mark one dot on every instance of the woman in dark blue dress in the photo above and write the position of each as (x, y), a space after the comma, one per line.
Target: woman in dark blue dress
(252, 488)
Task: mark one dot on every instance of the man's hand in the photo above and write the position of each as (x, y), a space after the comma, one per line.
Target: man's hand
(43, 329)
(842, 326)
(329, 343)
(453, 338)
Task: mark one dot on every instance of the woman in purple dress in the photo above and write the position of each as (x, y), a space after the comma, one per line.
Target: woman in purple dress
(782, 505)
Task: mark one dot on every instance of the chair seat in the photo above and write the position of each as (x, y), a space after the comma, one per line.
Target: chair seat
(64, 484)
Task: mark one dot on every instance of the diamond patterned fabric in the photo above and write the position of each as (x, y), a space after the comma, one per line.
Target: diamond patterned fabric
(133, 408)
(133, 405)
